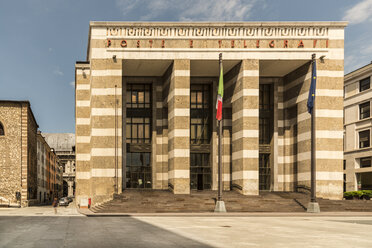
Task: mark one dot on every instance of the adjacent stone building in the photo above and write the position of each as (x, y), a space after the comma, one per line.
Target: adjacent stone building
(18, 149)
(358, 125)
(145, 107)
(64, 147)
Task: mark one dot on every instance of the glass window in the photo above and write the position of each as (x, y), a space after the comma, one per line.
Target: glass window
(364, 84)
(138, 96)
(266, 113)
(138, 120)
(364, 110)
(365, 162)
(200, 114)
(1, 129)
(364, 137)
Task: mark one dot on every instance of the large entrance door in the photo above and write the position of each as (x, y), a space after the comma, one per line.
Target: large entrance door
(138, 136)
(266, 114)
(200, 171)
(200, 112)
(264, 171)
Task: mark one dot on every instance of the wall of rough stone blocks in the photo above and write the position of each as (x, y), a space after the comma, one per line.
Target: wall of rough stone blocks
(18, 153)
(10, 152)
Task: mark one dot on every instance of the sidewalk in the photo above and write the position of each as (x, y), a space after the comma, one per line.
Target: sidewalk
(40, 211)
(73, 211)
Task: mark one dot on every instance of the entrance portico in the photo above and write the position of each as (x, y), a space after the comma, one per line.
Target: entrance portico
(145, 107)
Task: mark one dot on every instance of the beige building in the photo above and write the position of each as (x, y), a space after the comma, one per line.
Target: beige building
(18, 149)
(42, 153)
(358, 125)
(64, 146)
(145, 107)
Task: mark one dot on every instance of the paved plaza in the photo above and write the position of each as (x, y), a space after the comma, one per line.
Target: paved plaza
(39, 227)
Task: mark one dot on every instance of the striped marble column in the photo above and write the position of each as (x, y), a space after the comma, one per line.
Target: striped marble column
(105, 75)
(179, 128)
(162, 124)
(226, 148)
(295, 96)
(245, 125)
(160, 177)
(329, 128)
(82, 131)
(294, 83)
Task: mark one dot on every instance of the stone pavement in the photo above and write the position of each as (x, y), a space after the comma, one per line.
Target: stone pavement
(185, 231)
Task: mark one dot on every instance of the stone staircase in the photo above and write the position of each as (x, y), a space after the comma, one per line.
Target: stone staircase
(162, 201)
(156, 201)
(339, 205)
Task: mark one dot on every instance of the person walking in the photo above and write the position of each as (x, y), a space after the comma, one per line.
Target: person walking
(55, 205)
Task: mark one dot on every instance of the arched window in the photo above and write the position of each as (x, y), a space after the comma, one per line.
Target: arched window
(1, 129)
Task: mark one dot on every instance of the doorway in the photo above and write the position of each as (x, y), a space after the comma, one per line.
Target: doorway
(264, 171)
(200, 171)
(266, 129)
(200, 135)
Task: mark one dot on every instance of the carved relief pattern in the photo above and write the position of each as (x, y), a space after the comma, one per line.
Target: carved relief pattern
(218, 32)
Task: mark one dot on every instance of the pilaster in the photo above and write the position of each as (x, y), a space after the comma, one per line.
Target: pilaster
(245, 126)
(179, 128)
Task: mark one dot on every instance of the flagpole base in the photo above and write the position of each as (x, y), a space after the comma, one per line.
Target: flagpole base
(313, 207)
(220, 207)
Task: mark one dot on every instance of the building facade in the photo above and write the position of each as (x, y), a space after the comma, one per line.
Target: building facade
(358, 125)
(145, 107)
(18, 153)
(42, 151)
(54, 184)
(64, 146)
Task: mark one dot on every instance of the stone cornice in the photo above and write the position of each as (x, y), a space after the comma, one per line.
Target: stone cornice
(362, 71)
(219, 24)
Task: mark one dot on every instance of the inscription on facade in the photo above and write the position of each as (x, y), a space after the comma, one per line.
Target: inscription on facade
(161, 43)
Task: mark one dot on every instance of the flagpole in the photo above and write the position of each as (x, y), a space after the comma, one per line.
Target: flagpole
(220, 204)
(313, 158)
(220, 147)
(313, 206)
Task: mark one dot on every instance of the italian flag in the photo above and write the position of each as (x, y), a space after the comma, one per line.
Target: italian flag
(220, 96)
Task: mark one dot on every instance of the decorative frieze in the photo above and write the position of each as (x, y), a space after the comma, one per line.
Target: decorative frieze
(216, 32)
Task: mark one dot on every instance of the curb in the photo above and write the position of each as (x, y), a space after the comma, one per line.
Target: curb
(235, 214)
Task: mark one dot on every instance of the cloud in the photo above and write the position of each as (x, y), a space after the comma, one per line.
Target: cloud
(72, 83)
(58, 72)
(358, 52)
(368, 49)
(361, 12)
(50, 49)
(189, 10)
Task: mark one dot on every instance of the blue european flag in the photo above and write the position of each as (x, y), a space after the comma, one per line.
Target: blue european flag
(310, 100)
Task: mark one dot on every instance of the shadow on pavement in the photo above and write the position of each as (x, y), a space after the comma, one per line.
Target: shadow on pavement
(44, 231)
